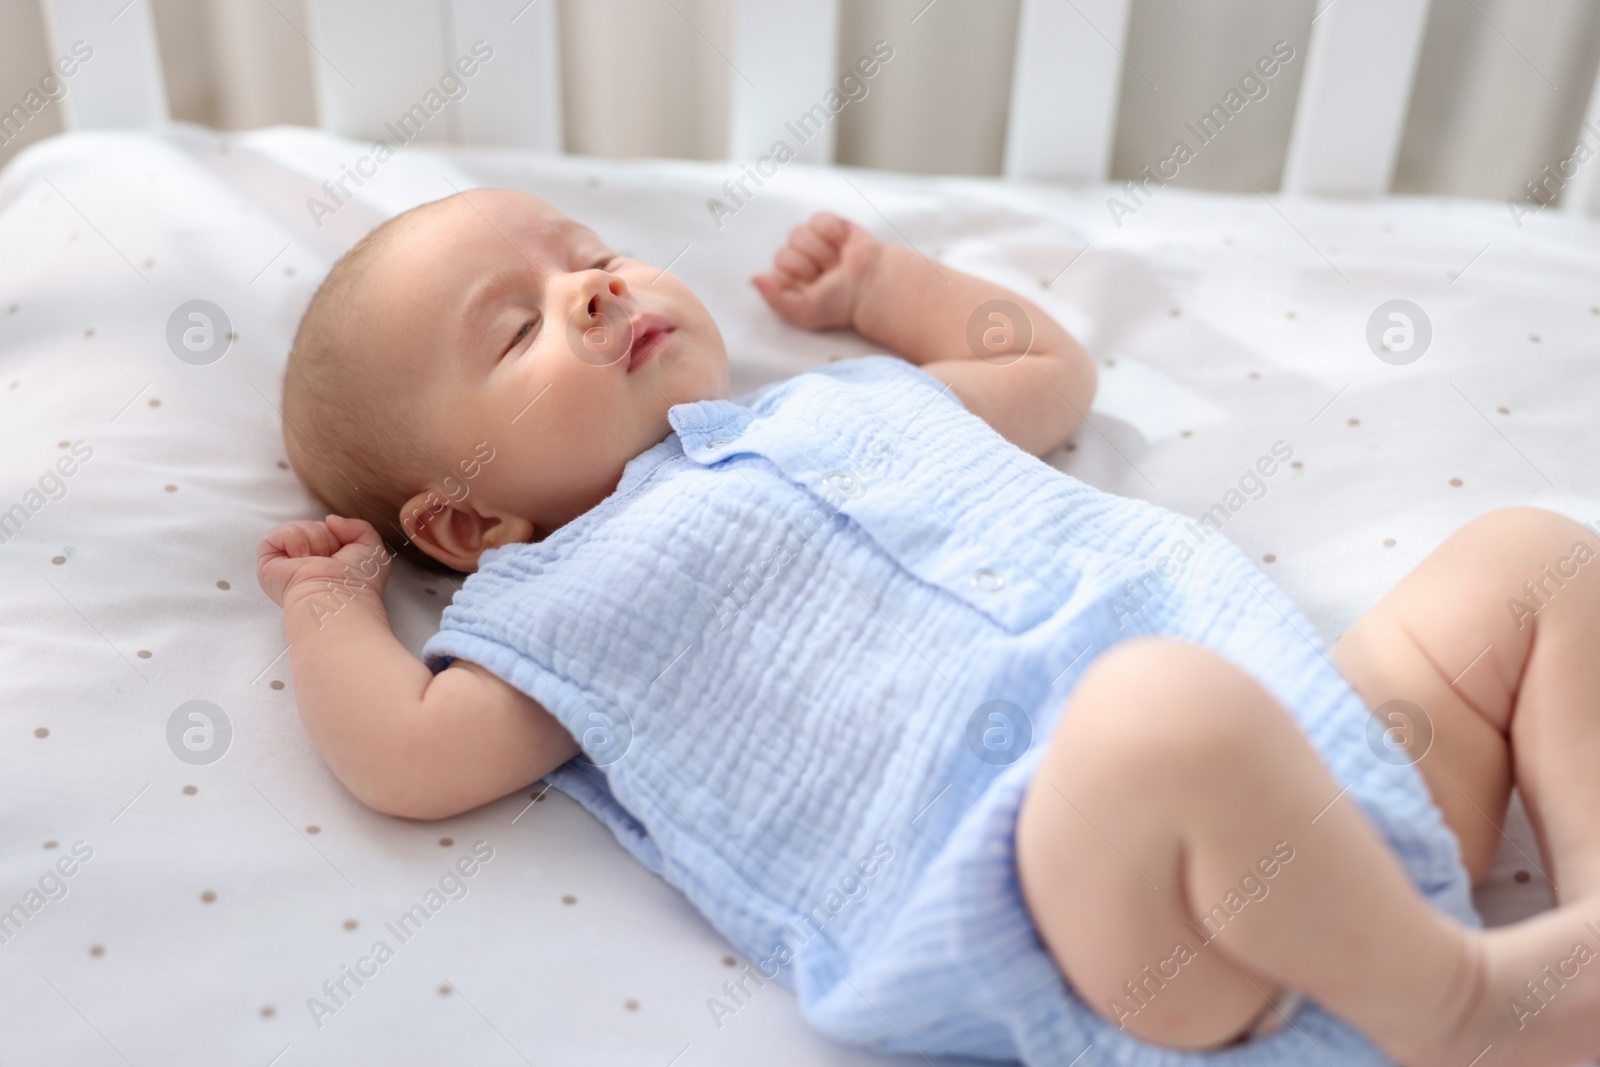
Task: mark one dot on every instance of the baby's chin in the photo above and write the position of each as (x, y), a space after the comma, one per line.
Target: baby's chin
(697, 374)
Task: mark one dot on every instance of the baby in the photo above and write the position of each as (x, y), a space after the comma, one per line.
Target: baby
(847, 664)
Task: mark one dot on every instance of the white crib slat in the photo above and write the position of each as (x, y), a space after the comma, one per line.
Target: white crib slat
(374, 62)
(784, 61)
(397, 70)
(1582, 193)
(1354, 95)
(1065, 81)
(515, 97)
(120, 85)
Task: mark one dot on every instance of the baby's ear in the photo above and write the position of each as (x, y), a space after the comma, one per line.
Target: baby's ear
(457, 534)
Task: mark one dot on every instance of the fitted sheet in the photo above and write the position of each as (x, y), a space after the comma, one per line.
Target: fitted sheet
(216, 899)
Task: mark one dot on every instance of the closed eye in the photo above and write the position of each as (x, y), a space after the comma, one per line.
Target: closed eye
(527, 328)
(533, 324)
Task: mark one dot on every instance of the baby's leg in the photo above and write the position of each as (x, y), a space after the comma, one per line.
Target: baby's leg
(1496, 637)
(1172, 788)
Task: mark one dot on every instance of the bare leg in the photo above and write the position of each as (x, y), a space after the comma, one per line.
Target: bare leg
(1509, 681)
(1168, 788)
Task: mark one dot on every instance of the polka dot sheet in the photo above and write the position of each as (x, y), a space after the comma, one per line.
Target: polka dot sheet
(185, 880)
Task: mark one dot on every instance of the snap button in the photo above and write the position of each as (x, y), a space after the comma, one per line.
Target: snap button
(987, 580)
(840, 482)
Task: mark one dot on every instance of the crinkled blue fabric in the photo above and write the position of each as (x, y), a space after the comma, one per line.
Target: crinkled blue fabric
(782, 643)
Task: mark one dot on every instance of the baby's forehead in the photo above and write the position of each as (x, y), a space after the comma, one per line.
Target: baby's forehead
(450, 244)
(487, 215)
(450, 257)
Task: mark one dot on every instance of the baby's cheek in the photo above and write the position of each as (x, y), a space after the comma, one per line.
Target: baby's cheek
(703, 363)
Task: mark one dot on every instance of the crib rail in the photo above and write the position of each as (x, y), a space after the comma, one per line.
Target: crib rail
(382, 67)
(386, 68)
(1361, 64)
(119, 85)
(792, 47)
(1065, 52)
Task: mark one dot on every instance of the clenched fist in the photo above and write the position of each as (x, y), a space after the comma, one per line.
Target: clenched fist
(340, 550)
(819, 275)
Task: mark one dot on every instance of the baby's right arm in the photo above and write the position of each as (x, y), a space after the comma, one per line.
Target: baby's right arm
(1004, 358)
(403, 740)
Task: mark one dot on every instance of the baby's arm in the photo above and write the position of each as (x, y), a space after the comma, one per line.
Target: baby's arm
(833, 273)
(404, 741)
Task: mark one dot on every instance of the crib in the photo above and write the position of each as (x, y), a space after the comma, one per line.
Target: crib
(1346, 132)
(224, 888)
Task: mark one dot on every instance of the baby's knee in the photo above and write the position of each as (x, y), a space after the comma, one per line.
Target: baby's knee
(1162, 706)
(1543, 556)
(1539, 533)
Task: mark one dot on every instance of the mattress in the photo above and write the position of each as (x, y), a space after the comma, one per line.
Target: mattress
(225, 893)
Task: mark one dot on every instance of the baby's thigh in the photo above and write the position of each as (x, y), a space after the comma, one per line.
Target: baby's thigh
(1439, 659)
(1098, 856)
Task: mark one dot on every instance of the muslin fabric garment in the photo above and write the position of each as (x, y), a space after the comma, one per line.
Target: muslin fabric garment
(814, 646)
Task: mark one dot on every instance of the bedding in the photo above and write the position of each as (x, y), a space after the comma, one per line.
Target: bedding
(195, 886)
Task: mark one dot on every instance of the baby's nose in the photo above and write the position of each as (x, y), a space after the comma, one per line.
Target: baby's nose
(615, 286)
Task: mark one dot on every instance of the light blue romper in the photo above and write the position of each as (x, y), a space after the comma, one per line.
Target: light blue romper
(814, 646)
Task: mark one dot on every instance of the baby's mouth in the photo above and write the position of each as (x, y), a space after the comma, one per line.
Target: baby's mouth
(650, 334)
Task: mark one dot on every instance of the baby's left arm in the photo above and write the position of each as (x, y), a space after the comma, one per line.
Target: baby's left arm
(1010, 363)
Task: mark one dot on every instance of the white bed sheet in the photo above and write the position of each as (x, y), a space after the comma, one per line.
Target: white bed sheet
(207, 916)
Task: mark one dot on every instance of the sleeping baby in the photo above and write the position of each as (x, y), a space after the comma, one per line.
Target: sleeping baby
(849, 665)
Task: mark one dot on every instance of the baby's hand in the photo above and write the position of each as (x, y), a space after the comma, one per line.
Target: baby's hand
(348, 551)
(818, 276)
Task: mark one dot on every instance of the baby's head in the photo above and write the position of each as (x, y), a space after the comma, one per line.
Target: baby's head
(478, 370)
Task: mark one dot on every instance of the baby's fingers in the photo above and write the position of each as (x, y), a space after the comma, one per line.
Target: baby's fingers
(808, 240)
(794, 268)
(353, 532)
(832, 228)
(363, 549)
(286, 540)
(782, 296)
(774, 289)
(298, 539)
(800, 305)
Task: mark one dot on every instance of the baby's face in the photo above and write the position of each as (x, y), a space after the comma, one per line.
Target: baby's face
(512, 324)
